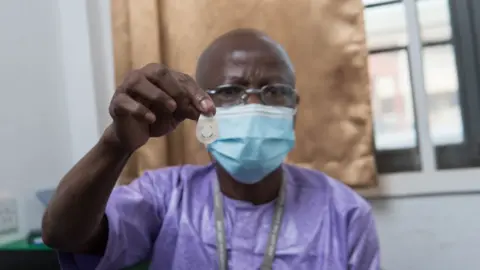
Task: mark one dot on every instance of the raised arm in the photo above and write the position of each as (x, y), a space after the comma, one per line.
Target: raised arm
(150, 102)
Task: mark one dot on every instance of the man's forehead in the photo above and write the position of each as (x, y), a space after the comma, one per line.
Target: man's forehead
(247, 56)
(241, 49)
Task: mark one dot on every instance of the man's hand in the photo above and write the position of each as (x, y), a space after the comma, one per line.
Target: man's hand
(152, 101)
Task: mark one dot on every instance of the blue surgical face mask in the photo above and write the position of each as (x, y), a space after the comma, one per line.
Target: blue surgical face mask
(253, 140)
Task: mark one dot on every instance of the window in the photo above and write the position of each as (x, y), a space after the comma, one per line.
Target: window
(441, 85)
(440, 73)
(423, 66)
(394, 120)
(386, 26)
(391, 88)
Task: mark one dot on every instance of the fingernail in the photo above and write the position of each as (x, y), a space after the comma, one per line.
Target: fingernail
(207, 105)
(172, 105)
(150, 117)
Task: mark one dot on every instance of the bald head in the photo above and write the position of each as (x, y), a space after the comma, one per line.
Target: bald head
(244, 56)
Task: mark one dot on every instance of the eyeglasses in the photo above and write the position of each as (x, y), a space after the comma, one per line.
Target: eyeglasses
(273, 95)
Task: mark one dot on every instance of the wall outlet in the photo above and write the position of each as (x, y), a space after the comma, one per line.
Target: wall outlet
(8, 215)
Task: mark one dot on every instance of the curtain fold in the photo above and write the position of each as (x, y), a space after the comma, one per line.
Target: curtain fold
(326, 42)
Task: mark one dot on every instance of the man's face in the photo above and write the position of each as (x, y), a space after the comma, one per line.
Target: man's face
(248, 63)
(246, 67)
(239, 65)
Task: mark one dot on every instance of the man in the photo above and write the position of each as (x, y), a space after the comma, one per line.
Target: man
(246, 210)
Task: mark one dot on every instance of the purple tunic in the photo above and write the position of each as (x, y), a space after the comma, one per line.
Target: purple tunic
(167, 216)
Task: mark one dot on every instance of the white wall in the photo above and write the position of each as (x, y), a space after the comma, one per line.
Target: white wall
(56, 75)
(48, 109)
(430, 233)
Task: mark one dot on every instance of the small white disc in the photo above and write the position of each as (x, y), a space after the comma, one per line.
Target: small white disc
(207, 129)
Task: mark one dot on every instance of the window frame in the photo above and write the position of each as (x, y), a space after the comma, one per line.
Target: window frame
(465, 35)
(386, 3)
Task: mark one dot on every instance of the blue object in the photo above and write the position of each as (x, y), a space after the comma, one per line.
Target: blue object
(253, 140)
(45, 196)
(35, 236)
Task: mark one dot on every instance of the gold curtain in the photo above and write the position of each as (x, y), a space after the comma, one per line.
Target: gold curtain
(326, 42)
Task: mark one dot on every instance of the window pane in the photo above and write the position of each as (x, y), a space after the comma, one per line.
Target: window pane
(434, 17)
(394, 120)
(441, 84)
(385, 26)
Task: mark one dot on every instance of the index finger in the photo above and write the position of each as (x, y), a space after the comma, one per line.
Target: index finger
(200, 99)
(180, 87)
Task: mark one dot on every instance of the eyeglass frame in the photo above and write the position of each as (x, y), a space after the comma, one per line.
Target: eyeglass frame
(255, 91)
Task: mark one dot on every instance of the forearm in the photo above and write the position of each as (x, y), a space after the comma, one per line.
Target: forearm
(75, 213)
